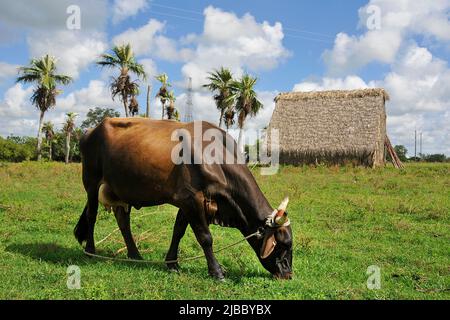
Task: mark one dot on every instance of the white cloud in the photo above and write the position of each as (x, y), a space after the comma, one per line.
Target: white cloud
(75, 50)
(123, 9)
(148, 40)
(45, 25)
(7, 70)
(150, 68)
(227, 40)
(399, 20)
(234, 42)
(347, 83)
(52, 15)
(142, 39)
(351, 52)
(19, 116)
(16, 102)
(418, 82)
(96, 94)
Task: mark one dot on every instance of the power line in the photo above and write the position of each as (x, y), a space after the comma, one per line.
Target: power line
(309, 32)
(295, 30)
(177, 16)
(307, 38)
(177, 9)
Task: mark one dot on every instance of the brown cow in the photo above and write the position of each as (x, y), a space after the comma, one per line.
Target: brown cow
(130, 161)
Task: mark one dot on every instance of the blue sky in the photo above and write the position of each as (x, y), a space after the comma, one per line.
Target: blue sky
(289, 45)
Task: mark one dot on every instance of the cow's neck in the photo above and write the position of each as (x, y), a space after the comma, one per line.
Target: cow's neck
(252, 202)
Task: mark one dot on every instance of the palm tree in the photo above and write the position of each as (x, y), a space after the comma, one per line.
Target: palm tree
(220, 81)
(68, 129)
(49, 132)
(246, 102)
(171, 110)
(163, 91)
(176, 115)
(42, 72)
(122, 57)
(134, 105)
(229, 117)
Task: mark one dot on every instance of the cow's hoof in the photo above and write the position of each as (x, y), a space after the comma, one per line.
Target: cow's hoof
(173, 267)
(90, 250)
(218, 276)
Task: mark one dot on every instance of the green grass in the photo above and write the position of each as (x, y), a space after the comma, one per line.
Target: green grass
(344, 220)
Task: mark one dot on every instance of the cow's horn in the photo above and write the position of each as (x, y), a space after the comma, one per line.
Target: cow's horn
(283, 205)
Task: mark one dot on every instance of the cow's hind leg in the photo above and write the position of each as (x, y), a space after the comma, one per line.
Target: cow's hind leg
(91, 217)
(179, 229)
(123, 220)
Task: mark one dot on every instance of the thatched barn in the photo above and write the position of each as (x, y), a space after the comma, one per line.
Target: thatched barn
(331, 127)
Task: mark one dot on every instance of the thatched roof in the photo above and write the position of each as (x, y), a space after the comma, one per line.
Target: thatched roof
(323, 125)
(333, 94)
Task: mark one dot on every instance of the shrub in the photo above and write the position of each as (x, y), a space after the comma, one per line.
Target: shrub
(17, 149)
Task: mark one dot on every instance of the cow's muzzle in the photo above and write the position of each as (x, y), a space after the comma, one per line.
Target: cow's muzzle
(283, 264)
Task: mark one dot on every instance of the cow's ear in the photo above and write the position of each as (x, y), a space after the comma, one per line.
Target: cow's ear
(268, 245)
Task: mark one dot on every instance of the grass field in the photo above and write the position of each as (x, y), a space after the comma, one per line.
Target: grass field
(344, 220)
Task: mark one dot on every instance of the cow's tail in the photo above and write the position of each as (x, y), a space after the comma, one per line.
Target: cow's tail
(81, 229)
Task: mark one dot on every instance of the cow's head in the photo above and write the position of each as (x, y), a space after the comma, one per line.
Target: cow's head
(276, 247)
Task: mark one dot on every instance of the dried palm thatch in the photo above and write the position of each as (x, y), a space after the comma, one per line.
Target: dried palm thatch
(331, 127)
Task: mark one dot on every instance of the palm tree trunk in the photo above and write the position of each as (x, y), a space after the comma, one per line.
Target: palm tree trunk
(162, 112)
(67, 147)
(221, 118)
(125, 100)
(147, 112)
(39, 136)
(241, 140)
(50, 150)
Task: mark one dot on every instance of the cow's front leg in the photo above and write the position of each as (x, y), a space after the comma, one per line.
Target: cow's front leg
(123, 220)
(205, 239)
(197, 220)
(179, 229)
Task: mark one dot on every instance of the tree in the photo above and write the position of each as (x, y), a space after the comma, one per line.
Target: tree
(95, 116)
(401, 152)
(122, 57)
(163, 92)
(42, 72)
(229, 117)
(147, 111)
(435, 158)
(171, 110)
(220, 84)
(17, 149)
(246, 102)
(49, 133)
(68, 129)
(134, 106)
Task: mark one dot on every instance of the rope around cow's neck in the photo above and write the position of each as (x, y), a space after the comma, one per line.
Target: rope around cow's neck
(257, 233)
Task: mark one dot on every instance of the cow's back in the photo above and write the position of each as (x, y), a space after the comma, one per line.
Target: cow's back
(133, 156)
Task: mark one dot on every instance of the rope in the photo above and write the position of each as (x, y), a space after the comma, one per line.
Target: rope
(257, 233)
(117, 229)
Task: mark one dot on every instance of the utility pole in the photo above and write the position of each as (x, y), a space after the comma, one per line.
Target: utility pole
(188, 115)
(415, 145)
(147, 112)
(421, 154)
